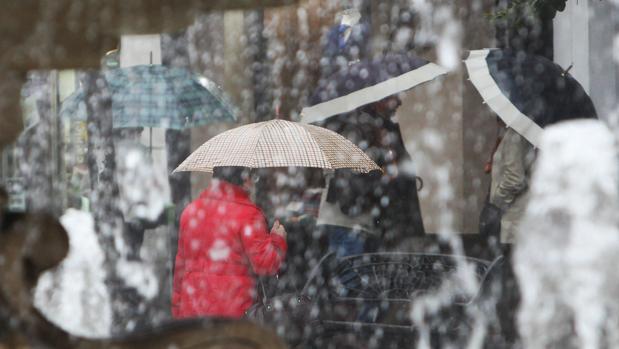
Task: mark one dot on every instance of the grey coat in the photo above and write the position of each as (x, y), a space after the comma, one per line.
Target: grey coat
(511, 173)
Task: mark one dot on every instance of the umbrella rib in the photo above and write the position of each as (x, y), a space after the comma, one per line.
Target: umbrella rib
(367, 164)
(322, 151)
(323, 156)
(254, 159)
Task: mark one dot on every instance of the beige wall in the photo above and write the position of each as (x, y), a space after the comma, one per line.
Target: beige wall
(449, 133)
(431, 122)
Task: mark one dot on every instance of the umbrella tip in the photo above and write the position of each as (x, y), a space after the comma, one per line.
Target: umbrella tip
(566, 71)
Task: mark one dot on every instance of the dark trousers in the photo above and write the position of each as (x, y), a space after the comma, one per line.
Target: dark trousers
(348, 242)
(344, 241)
(507, 306)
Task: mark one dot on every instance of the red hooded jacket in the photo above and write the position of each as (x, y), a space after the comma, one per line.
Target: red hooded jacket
(223, 242)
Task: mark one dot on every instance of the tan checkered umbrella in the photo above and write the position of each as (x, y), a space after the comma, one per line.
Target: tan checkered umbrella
(278, 143)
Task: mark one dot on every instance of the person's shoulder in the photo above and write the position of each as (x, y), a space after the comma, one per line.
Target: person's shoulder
(249, 206)
(192, 208)
(512, 136)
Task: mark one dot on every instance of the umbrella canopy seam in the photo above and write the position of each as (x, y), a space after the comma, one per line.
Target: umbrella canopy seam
(324, 148)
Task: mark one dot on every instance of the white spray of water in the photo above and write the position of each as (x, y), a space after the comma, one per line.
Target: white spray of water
(439, 27)
(568, 244)
(74, 295)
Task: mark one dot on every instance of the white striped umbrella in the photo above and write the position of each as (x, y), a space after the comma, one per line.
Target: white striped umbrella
(365, 82)
(527, 92)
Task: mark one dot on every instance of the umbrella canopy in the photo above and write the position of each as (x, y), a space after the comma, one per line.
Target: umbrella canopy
(278, 143)
(366, 82)
(158, 96)
(527, 92)
(74, 106)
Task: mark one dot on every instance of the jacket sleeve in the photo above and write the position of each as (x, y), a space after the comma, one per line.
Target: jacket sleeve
(265, 251)
(514, 181)
(179, 271)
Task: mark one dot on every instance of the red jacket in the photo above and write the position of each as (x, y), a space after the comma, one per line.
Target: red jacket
(223, 242)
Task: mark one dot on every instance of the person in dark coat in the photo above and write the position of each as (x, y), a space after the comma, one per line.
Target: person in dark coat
(223, 243)
(391, 198)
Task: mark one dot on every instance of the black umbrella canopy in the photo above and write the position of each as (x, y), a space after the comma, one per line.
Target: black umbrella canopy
(527, 92)
(365, 73)
(539, 88)
(363, 82)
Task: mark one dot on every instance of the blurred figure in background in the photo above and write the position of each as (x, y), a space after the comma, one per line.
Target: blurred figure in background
(143, 191)
(510, 169)
(511, 173)
(223, 242)
(366, 212)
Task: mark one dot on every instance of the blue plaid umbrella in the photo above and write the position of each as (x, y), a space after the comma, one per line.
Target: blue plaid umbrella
(158, 96)
(73, 107)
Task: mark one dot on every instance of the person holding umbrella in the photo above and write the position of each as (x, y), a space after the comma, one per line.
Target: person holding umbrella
(352, 214)
(527, 93)
(359, 102)
(223, 239)
(510, 172)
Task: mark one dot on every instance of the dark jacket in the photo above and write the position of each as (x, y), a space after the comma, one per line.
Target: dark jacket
(393, 194)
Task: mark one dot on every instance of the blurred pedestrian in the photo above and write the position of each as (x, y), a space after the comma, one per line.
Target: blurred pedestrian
(499, 219)
(400, 212)
(223, 243)
(143, 191)
(365, 212)
(510, 175)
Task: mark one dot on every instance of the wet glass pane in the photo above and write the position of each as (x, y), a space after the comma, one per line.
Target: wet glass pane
(303, 174)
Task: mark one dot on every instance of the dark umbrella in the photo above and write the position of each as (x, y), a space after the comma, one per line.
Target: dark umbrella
(527, 92)
(364, 82)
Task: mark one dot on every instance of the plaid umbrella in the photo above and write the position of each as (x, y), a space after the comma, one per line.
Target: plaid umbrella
(158, 96)
(73, 107)
(278, 143)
